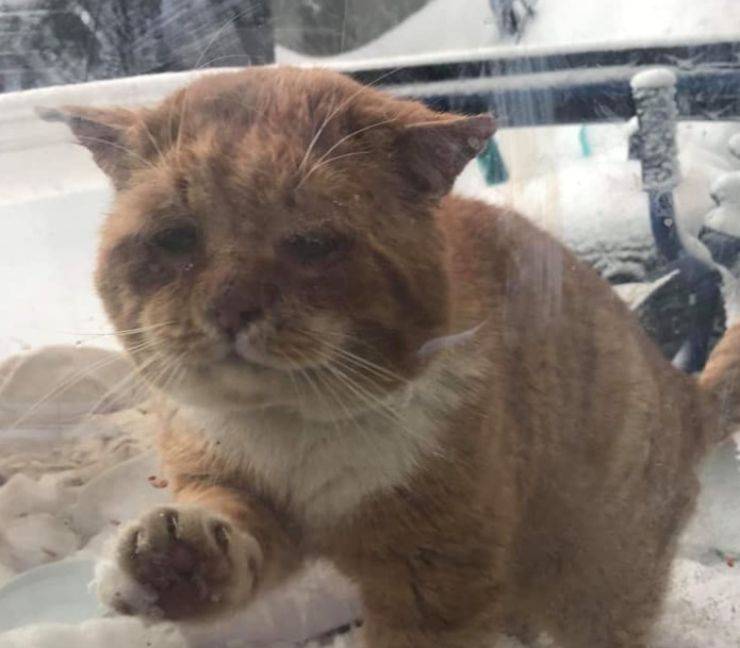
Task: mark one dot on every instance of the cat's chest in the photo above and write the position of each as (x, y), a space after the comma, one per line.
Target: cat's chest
(324, 470)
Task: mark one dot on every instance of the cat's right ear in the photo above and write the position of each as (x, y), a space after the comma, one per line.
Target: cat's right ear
(103, 131)
(432, 154)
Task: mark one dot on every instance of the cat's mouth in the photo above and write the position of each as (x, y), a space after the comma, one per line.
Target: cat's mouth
(248, 357)
(234, 359)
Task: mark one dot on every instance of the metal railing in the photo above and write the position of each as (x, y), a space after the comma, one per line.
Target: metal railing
(595, 87)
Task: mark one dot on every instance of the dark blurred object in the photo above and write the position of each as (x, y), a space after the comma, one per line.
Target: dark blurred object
(654, 94)
(725, 249)
(50, 42)
(512, 16)
(678, 308)
(217, 33)
(328, 27)
(667, 312)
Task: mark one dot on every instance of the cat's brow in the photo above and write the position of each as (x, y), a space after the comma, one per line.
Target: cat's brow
(334, 113)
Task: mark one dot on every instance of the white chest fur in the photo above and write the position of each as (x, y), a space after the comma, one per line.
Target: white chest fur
(322, 470)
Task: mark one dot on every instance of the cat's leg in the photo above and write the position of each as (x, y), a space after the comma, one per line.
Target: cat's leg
(615, 605)
(629, 630)
(375, 634)
(432, 608)
(208, 553)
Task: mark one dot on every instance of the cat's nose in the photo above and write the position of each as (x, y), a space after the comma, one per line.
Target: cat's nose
(236, 307)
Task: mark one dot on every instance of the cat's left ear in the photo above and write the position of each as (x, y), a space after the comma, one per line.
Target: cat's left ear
(103, 131)
(433, 154)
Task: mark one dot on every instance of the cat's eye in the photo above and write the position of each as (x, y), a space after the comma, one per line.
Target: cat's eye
(315, 246)
(176, 240)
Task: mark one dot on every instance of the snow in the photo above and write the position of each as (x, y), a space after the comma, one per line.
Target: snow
(657, 78)
(730, 297)
(586, 23)
(426, 31)
(726, 189)
(575, 24)
(21, 536)
(112, 633)
(655, 103)
(112, 585)
(725, 217)
(568, 199)
(734, 145)
(48, 247)
(82, 522)
(701, 610)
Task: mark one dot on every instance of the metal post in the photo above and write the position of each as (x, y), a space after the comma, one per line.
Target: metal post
(654, 94)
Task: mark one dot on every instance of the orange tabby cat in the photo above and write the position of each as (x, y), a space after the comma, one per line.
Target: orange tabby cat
(285, 255)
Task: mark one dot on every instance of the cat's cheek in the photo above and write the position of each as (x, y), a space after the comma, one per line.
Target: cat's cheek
(142, 268)
(145, 277)
(326, 288)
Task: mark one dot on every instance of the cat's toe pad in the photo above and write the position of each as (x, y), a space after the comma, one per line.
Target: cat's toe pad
(180, 562)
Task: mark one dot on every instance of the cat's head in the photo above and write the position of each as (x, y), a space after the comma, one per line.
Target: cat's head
(272, 240)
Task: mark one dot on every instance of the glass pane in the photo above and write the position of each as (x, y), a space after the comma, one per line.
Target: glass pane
(384, 324)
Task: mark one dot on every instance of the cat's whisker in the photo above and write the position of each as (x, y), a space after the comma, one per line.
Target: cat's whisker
(144, 329)
(337, 397)
(354, 133)
(173, 373)
(225, 57)
(374, 381)
(154, 369)
(121, 333)
(331, 393)
(294, 368)
(181, 122)
(159, 23)
(367, 365)
(374, 403)
(334, 113)
(301, 372)
(81, 373)
(119, 387)
(239, 14)
(320, 340)
(320, 396)
(324, 163)
(151, 138)
(67, 382)
(352, 357)
(359, 391)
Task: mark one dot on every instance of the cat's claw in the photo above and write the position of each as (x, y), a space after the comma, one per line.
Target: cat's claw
(191, 562)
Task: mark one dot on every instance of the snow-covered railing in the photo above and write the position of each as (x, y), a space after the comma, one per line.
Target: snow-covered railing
(697, 81)
(569, 87)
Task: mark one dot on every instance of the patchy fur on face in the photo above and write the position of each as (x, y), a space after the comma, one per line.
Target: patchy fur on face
(272, 241)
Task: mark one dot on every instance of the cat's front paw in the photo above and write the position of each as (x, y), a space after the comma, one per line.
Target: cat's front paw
(181, 562)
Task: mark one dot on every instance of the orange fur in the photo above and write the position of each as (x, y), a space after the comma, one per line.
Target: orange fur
(533, 476)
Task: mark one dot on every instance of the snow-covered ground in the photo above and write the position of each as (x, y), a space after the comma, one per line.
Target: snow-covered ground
(62, 522)
(576, 182)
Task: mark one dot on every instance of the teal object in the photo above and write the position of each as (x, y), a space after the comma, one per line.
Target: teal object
(492, 164)
(585, 144)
